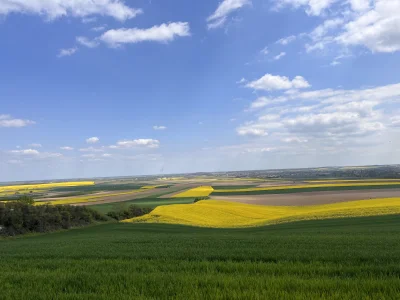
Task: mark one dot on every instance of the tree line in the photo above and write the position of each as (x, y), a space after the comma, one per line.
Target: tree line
(22, 216)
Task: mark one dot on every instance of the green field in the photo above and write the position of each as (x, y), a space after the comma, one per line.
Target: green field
(99, 188)
(356, 258)
(303, 190)
(228, 187)
(142, 202)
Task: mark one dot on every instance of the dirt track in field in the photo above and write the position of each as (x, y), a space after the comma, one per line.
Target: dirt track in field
(146, 193)
(310, 198)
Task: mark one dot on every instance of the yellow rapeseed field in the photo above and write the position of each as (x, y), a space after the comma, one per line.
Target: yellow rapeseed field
(44, 185)
(353, 180)
(201, 191)
(285, 187)
(224, 214)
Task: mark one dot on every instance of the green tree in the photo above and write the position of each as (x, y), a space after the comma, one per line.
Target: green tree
(26, 199)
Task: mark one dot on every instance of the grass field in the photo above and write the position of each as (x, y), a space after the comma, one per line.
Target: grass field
(355, 258)
(142, 202)
(201, 191)
(305, 188)
(229, 187)
(224, 214)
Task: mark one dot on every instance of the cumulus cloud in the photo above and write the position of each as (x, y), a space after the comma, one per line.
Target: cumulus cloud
(376, 29)
(138, 143)
(67, 52)
(329, 120)
(224, 9)
(373, 24)
(92, 140)
(9, 121)
(159, 127)
(67, 148)
(162, 33)
(271, 82)
(65, 8)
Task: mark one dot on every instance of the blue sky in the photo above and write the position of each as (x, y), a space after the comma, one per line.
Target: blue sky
(110, 87)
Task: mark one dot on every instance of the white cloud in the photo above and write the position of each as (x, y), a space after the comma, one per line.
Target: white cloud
(9, 121)
(376, 29)
(264, 101)
(264, 51)
(324, 28)
(395, 121)
(294, 140)
(92, 140)
(89, 20)
(67, 52)
(163, 33)
(271, 82)
(67, 148)
(313, 7)
(14, 161)
(35, 154)
(99, 28)
(287, 40)
(159, 127)
(279, 56)
(360, 5)
(224, 9)
(373, 24)
(143, 143)
(84, 41)
(25, 152)
(35, 145)
(326, 121)
(53, 9)
(252, 131)
(91, 149)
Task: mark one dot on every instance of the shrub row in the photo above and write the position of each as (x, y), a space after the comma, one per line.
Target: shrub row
(19, 217)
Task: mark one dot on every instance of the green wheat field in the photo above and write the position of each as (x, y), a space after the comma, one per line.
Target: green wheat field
(356, 258)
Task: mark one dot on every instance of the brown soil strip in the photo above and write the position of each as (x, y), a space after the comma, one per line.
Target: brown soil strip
(310, 198)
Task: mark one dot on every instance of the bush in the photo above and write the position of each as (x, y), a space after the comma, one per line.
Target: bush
(128, 213)
(200, 199)
(19, 217)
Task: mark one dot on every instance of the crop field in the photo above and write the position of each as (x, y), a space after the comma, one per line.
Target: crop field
(223, 214)
(41, 186)
(352, 180)
(141, 202)
(311, 198)
(84, 199)
(354, 258)
(201, 191)
(306, 188)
